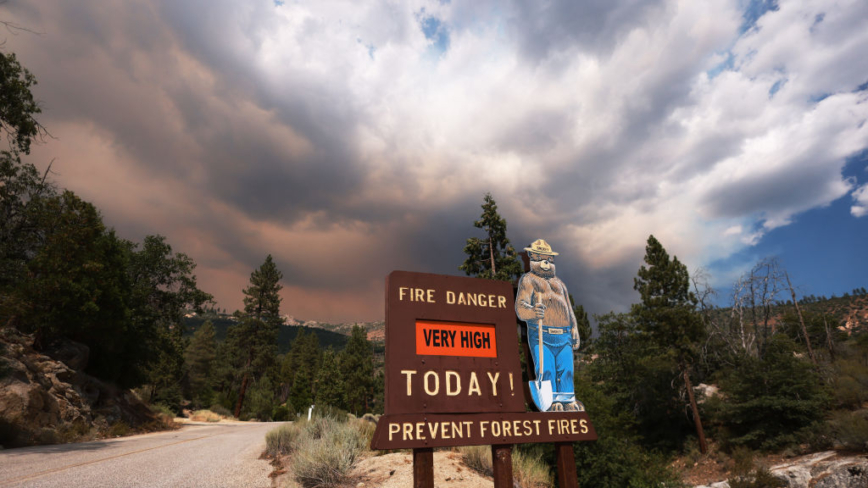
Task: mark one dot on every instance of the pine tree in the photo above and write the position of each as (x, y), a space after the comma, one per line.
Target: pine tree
(357, 369)
(199, 360)
(329, 383)
(491, 257)
(261, 402)
(583, 324)
(668, 315)
(262, 298)
(258, 335)
(300, 395)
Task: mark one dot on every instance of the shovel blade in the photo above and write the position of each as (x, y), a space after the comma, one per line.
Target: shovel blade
(542, 394)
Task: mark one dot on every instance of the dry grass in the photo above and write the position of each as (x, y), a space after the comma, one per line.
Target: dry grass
(528, 470)
(205, 416)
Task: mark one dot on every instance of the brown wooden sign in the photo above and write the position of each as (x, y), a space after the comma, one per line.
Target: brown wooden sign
(451, 346)
(453, 374)
(421, 430)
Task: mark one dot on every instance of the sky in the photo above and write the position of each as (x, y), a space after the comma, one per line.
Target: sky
(351, 139)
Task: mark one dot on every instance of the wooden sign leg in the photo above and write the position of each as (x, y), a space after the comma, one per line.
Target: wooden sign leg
(423, 468)
(567, 477)
(501, 460)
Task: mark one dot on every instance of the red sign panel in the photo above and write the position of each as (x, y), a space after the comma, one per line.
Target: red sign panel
(455, 339)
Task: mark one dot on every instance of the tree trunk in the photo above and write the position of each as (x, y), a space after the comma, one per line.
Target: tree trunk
(241, 396)
(801, 320)
(703, 446)
(829, 340)
(491, 251)
(243, 386)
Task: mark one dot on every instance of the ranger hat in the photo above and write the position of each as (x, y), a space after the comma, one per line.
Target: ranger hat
(540, 246)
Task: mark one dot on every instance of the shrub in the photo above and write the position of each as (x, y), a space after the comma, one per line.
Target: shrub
(768, 400)
(617, 458)
(281, 441)
(758, 478)
(327, 460)
(221, 410)
(73, 432)
(747, 475)
(160, 408)
(850, 429)
(280, 413)
(323, 451)
(328, 412)
(851, 383)
(119, 429)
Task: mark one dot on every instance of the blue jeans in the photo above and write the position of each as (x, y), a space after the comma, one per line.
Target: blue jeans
(557, 360)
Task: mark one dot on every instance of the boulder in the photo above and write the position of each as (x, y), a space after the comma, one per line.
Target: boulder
(41, 395)
(827, 469)
(71, 353)
(846, 473)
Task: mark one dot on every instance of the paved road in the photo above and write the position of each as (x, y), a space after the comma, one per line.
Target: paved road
(198, 455)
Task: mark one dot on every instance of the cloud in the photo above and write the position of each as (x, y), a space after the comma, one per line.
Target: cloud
(860, 198)
(349, 139)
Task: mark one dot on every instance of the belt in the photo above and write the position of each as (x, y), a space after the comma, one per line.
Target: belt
(556, 330)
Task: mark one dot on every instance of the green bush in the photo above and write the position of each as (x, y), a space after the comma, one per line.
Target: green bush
(616, 459)
(280, 413)
(160, 408)
(220, 410)
(849, 430)
(766, 401)
(851, 383)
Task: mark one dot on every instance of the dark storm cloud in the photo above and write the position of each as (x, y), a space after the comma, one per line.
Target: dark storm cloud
(547, 27)
(326, 134)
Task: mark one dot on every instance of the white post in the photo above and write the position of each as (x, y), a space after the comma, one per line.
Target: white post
(309, 411)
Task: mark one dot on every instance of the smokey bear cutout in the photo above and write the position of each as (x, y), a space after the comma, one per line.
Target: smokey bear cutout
(543, 303)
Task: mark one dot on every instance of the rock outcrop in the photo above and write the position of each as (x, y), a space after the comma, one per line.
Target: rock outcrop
(819, 470)
(47, 399)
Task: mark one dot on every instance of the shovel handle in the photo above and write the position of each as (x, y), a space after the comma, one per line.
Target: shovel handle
(540, 332)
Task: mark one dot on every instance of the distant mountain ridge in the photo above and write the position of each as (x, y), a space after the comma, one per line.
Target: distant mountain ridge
(286, 334)
(376, 330)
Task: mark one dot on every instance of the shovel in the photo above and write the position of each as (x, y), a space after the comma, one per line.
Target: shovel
(540, 390)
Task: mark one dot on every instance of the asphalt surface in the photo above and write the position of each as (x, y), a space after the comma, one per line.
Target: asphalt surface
(198, 455)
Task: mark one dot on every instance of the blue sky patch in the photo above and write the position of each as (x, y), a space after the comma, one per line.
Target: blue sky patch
(777, 86)
(726, 65)
(435, 31)
(755, 10)
(819, 97)
(821, 248)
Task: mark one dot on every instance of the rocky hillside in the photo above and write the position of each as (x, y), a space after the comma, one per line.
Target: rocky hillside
(819, 470)
(46, 399)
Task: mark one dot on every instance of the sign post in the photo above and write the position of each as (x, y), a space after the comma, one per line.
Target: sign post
(453, 375)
